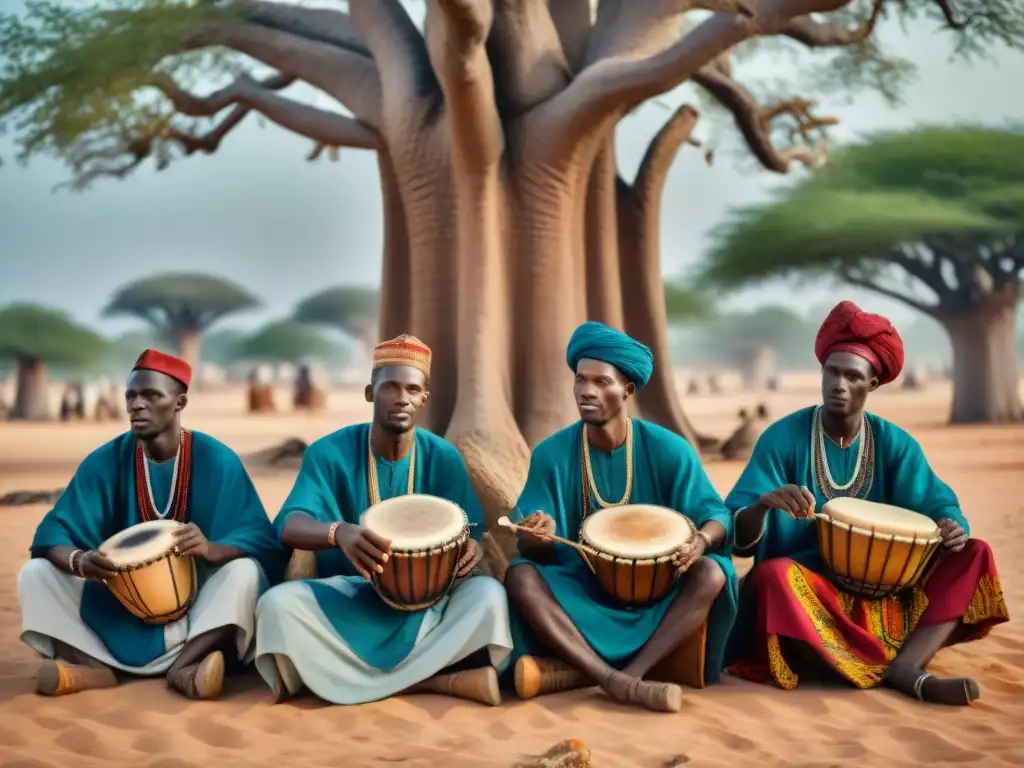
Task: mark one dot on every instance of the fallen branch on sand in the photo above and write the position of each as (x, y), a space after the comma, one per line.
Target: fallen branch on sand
(26, 498)
(285, 455)
(571, 753)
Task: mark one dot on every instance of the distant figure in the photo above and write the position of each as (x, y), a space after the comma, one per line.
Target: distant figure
(772, 384)
(308, 396)
(914, 379)
(693, 388)
(72, 404)
(261, 392)
(714, 384)
(741, 443)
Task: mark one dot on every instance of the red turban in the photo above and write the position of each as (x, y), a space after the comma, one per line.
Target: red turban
(849, 329)
(161, 362)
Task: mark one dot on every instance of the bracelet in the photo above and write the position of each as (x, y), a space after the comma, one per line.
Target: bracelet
(708, 544)
(332, 533)
(71, 561)
(760, 535)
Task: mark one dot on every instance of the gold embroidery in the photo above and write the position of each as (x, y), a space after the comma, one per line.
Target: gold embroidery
(783, 674)
(987, 602)
(892, 619)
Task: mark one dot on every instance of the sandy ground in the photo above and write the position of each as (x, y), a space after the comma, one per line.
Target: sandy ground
(143, 724)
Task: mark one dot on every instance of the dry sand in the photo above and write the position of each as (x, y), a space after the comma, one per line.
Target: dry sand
(143, 724)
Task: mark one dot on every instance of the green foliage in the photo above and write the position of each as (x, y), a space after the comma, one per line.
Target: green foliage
(733, 336)
(224, 347)
(172, 301)
(686, 304)
(352, 309)
(287, 341)
(30, 331)
(74, 78)
(895, 189)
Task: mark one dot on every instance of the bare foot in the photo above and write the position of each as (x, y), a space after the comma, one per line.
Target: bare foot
(204, 680)
(918, 684)
(658, 697)
(535, 676)
(479, 685)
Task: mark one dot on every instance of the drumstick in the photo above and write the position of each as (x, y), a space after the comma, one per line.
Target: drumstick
(506, 523)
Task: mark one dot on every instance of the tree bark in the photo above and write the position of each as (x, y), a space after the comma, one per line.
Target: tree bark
(985, 375)
(188, 341)
(31, 399)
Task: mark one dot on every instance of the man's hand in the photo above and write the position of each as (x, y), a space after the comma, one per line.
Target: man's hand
(364, 549)
(689, 554)
(954, 538)
(95, 567)
(540, 523)
(189, 540)
(795, 500)
(474, 554)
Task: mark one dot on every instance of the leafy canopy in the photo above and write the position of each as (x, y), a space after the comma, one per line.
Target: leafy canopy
(30, 331)
(686, 304)
(180, 300)
(285, 341)
(353, 309)
(894, 189)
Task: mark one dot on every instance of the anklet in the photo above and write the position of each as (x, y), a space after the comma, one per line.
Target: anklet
(919, 685)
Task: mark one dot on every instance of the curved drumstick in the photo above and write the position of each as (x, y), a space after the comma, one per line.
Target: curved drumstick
(504, 522)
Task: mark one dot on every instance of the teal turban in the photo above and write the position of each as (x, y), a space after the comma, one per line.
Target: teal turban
(596, 341)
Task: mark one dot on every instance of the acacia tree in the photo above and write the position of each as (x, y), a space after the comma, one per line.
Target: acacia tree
(286, 341)
(933, 218)
(181, 306)
(756, 342)
(34, 337)
(350, 308)
(493, 130)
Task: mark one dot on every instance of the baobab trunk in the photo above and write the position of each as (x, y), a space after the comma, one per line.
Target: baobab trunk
(188, 342)
(985, 371)
(31, 399)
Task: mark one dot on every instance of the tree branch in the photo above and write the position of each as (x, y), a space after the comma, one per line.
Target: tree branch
(572, 21)
(661, 152)
(526, 53)
(815, 34)
(337, 72)
(847, 274)
(457, 32)
(948, 15)
(754, 122)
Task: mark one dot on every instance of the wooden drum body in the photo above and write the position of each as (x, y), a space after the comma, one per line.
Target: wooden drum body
(428, 537)
(874, 550)
(152, 582)
(635, 546)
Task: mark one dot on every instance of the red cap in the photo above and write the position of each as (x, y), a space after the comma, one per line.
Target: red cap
(849, 329)
(161, 362)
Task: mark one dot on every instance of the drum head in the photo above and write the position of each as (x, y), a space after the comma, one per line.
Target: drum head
(637, 531)
(883, 518)
(141, 542)
(418, 521)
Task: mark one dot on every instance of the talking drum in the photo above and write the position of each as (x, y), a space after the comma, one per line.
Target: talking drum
(152, 582)
(874, 550)
(634, 548)
(428, 537)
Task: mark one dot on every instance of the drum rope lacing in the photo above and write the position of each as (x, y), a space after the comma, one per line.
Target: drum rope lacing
(371, 469)
(862, 476)
(177, 497)
(590, 485)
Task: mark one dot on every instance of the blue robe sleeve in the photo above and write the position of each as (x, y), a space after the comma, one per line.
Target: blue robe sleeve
(691, 490)
(453, 483)
(313, 493)
(912, 483)
(543, 492)
(84, 515)
(237, 517)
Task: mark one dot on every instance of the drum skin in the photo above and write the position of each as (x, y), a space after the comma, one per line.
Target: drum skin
(870, 562)
(159, 588)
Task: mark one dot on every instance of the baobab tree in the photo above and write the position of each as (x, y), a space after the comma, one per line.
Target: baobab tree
(285, 341)
(493, 130)
(35, 337)
(180, 306)
(932, 218)
(353, 309)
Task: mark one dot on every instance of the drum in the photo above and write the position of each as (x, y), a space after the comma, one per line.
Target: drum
(428, 537)
(874, 550)
(152, 582)
(634, 547)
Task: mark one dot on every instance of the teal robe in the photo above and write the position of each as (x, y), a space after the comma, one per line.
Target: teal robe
(784, 455)
(666, 472)
(332, 485)
(100, 501)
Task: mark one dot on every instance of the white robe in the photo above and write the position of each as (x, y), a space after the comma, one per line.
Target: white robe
(51, 600)
(294, 636)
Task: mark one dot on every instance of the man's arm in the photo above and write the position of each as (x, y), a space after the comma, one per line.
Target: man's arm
(302, 531)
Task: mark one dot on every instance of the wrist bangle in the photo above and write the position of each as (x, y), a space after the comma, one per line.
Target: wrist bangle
(760, 533)
(708, 544)
(71, 560)
(332, 533)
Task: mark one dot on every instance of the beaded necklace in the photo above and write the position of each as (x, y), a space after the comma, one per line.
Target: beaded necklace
(177, 498)
(590, 485)
(371, 469)
(859, 484)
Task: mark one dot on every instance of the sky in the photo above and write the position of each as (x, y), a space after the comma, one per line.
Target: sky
(258, 213)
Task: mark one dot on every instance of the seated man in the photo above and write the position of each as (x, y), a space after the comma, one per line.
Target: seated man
(68, 614)
(794, 619)
(605, 460)
(335, 635)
